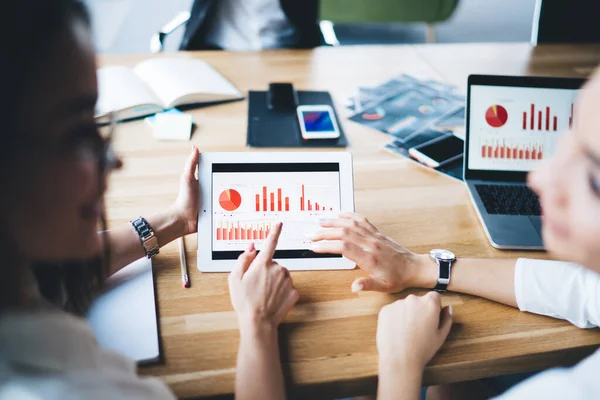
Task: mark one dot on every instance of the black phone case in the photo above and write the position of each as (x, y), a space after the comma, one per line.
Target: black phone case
(281, 97)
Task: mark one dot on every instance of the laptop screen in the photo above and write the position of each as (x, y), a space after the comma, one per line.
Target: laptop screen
(515, 128)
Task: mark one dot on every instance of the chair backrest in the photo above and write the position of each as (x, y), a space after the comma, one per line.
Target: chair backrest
(566, 21)
(428, 11)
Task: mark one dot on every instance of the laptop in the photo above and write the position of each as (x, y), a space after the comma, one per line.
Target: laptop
(512, 125)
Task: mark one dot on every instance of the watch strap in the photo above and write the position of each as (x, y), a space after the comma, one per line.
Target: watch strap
(147, 237)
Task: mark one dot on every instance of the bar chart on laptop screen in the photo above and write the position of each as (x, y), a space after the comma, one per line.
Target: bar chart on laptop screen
(514, 129)
(246, 207)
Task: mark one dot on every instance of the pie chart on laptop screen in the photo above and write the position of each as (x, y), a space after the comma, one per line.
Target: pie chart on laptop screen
(230, 199)
(496, 116)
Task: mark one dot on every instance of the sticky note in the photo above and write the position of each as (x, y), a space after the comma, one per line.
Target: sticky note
(151, 120)
(169, 126)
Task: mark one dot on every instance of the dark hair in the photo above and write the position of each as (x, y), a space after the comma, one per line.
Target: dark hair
(28, 30)
(31, 30)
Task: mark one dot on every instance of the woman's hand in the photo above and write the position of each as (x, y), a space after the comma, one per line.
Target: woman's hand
(186, 207)
(390, 266)
(411, 331)
(261, 294)
(261, 290)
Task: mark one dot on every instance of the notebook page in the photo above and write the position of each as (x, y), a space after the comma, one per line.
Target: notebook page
(124, 317)
(185, 81)
(120, 89)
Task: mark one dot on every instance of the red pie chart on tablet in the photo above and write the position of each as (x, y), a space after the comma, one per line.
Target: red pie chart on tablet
(230, 199)
(496, 116)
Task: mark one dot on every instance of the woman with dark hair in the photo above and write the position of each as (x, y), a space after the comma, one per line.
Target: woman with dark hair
(411, 331)
(54, 164)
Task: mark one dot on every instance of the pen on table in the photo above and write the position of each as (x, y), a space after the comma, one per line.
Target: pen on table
(183, 263)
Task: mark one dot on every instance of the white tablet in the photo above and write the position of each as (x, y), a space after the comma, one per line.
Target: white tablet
(243, 195)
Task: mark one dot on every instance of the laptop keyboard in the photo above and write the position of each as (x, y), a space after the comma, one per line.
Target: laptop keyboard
(509, 200)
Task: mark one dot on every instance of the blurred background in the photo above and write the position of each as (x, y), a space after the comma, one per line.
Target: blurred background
(126, 26)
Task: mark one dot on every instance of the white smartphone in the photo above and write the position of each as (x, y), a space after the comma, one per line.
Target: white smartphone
(317, 122)
(438, 152)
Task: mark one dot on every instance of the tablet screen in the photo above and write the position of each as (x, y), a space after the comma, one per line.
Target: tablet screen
(248, 199)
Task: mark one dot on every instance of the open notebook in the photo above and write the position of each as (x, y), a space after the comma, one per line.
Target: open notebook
(158, 84)
(124, 317)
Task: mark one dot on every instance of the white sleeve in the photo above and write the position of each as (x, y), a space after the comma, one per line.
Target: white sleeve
(560, 290)
(553, 384)
(580, 382)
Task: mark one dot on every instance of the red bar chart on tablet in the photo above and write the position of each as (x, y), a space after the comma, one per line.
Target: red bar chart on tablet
(275, 200)
(243, 231)
(271, 200)
(306, 205)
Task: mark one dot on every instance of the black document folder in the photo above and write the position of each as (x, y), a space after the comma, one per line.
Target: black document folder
(271, 128)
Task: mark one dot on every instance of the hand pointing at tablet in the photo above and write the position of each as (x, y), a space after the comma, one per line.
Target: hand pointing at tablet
(262, 294)
(261, 290)
(390, 266)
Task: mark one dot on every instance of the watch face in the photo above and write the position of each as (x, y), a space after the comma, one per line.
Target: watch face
(443, 255)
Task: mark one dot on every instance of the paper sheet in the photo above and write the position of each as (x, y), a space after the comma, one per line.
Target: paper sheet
(124, 318)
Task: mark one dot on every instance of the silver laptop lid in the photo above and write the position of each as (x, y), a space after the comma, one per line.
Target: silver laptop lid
(513, 123)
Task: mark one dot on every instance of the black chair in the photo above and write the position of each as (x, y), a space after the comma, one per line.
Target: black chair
(566, 21)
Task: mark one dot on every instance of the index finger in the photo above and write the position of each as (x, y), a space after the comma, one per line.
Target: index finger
(269, 245)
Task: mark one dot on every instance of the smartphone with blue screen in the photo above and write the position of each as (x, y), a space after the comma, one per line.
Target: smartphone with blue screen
(318, 122)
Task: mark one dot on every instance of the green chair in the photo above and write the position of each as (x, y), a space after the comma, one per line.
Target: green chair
(428, 12)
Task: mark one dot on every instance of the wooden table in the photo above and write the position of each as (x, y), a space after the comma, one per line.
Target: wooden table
(328, 340)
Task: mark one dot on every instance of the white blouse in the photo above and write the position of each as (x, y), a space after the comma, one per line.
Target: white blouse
(49, 354)
(565, 291)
